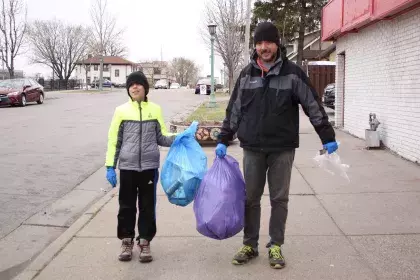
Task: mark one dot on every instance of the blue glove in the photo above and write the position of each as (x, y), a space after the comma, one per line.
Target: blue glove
(221, 150)
(331, 147)
(111, 176)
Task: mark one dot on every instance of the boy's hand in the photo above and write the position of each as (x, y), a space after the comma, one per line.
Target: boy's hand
(111, 176)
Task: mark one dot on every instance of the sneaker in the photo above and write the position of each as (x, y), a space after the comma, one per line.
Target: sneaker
(145, 253)
(245, 254)
(126, 250)
(275, 257)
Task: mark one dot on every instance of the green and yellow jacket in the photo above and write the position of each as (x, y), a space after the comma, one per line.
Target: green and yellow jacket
(136, 131)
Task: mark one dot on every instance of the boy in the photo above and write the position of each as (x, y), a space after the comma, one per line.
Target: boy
(136, 130)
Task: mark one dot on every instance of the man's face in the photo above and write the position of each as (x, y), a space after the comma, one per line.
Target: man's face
(267, 51)
(137, 92)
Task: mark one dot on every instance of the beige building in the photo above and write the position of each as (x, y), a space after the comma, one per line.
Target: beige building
(155, 71)
(116, 69)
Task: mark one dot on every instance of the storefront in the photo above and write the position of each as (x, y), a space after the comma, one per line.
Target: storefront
(377, 68)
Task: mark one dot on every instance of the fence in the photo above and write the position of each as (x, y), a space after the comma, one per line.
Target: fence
(320, 76)
(50, 85)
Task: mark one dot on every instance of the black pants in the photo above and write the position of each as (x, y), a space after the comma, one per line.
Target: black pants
(277, 168)
(141, 185)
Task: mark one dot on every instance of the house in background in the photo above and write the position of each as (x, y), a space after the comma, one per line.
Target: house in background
(328, 54)
(313, 46)
(155, 71)
(116, 69)
(377, 69)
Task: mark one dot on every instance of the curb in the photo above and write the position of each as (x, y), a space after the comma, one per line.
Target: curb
(50, 252)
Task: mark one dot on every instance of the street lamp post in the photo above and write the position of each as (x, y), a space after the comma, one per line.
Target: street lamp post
(247, 32)
(212, 30)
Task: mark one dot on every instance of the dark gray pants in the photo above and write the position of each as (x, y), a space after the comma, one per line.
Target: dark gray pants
(277, 167)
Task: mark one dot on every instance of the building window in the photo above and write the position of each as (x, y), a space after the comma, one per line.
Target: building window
(157, 71)
(95, 67)
(106, 68)
(117, 72)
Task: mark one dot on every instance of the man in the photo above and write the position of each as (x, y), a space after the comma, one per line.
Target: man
(264, 112)
(136, 131)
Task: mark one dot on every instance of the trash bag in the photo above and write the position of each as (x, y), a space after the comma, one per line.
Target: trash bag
(184, 168)
(219, 205)
(332, 164)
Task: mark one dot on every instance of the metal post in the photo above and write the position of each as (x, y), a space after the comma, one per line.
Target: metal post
(247, 32)
(212, 95)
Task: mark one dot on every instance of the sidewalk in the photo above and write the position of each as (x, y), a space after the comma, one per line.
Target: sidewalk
(366, 229)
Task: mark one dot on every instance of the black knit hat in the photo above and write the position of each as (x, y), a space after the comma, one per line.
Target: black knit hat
(266, 31)
(138, 78)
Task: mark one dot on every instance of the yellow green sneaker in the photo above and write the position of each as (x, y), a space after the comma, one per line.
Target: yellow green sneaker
(276, 257)
(245, 254)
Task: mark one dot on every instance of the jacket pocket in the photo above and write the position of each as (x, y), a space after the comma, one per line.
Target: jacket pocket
(278, 119)
(280, 102)
(246, 134)
(129, 155)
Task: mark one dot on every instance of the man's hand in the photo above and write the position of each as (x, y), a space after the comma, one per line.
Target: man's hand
(221, 150)
(331, 147)
(111, 176)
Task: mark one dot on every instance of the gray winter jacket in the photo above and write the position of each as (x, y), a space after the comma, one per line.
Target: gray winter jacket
(136, 132)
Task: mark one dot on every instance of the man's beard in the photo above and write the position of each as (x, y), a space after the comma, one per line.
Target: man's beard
(271, 59)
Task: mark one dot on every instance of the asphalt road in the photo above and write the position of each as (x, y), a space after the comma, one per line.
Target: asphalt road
(47, 150)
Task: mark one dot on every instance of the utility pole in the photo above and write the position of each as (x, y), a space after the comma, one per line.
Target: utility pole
(247, 32)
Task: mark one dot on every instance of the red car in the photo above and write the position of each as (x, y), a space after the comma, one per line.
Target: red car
(20, 91)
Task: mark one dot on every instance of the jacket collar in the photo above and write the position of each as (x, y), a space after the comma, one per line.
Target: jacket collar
(136, 104)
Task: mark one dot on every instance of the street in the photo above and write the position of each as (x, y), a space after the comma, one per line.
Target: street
(47, 151)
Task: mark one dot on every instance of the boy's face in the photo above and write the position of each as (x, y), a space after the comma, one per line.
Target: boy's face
(137, 92)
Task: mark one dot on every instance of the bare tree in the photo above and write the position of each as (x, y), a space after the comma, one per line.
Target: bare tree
(13, 27)
(58, 46)
(184, 70)
(229, 16)
(106, 37)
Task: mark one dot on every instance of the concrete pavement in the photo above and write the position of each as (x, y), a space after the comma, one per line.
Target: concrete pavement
(51, 159)
(368, 228)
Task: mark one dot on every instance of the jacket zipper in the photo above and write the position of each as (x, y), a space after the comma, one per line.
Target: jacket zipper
(141, 135)
(266, 82)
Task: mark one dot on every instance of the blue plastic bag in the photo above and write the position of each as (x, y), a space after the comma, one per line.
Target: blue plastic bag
(219, 205)
(184, 168)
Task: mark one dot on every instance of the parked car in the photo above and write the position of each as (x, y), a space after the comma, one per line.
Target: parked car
(162, 84)
(120, 85)
(105, 83)
(328, 99)
(20, 91)
(175, 86)
(202, 83)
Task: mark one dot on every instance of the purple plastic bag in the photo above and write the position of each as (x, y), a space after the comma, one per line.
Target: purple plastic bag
(219, 205)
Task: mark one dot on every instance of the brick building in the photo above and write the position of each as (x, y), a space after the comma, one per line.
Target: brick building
(378, 68)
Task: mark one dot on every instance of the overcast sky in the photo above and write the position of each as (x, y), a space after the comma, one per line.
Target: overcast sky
(148, 25)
